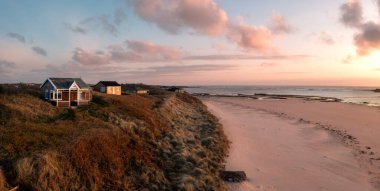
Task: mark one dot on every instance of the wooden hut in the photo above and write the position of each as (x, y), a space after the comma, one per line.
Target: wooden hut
(108, 87)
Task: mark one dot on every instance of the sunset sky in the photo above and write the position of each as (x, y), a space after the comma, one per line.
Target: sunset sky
(192, 42)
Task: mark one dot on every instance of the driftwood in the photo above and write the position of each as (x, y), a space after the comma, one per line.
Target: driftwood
(234, 176)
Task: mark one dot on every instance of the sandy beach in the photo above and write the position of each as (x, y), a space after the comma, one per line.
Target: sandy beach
(293, 144)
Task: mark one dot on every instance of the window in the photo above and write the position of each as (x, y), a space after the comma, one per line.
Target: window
(59, 95)
(83, 95)
(46, 94)
(51, 95)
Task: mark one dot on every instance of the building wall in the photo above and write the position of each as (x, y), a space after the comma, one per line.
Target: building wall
(63, 104)
(115, 90)
(98, 87)
(142, 91)
(45, 90)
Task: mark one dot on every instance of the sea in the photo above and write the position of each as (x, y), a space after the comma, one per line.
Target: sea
(357, 95)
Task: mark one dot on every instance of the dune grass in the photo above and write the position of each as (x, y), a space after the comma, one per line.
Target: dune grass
(163, 142)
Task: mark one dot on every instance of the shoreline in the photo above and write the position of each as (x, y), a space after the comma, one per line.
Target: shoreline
(362, 146)
(265, 96)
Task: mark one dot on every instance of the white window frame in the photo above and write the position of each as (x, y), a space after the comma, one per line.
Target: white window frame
(82, 95)
(59, 95)
(52, 95)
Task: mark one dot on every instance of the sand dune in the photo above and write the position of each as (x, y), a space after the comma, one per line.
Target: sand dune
(292, 145)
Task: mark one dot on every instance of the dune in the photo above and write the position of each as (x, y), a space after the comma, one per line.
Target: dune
(293, 144)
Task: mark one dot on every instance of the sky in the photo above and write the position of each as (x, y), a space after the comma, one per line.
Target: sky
(192, 42)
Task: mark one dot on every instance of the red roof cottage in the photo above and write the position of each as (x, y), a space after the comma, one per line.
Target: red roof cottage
(66, 92)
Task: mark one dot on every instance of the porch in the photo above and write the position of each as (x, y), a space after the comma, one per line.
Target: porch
(69, 98)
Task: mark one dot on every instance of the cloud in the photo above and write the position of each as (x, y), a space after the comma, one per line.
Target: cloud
(219, 47)
(143, 51)
(351, 13)
(204, 16)
(157, 51)
(249, 37)
(130, 51)
(119, 16)
(280, 25)
(348, 59)
(367, 39)
(17, 36)
(268, 64)
(326, 38)
(39, 50)
(207, 18)
(90, 58)
(6, 66)
(75, 29)
(120, 54)
(245, 57)
(107, 23)
(182, 69)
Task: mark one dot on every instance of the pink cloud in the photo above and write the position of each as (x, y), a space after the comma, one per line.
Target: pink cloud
(90, 58)
(131, 51)
(351, 13)
(206, 17)
(326, 38)
(280, 25)
(219, 47)
(367, 40)
(251, 37)
(348, 59)
(155, 51)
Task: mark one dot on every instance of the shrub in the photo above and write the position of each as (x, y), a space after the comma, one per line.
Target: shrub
(3, 182)
(98, 100)
(66, 114)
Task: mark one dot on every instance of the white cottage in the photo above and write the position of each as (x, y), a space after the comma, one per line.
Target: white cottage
(66, 92)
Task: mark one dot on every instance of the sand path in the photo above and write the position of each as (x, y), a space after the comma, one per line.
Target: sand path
(284, 153)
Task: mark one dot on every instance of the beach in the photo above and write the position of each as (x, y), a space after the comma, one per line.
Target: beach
(294, 144)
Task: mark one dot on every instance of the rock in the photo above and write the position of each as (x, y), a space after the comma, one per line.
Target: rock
(234, 176)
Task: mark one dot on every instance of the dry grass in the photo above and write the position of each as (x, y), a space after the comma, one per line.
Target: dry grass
(3, 182)
(166, 142)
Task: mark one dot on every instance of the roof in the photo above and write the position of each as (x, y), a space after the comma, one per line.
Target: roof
(65, 83)
(109, 83)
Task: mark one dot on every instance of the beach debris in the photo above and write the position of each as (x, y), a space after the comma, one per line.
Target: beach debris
(234, 176)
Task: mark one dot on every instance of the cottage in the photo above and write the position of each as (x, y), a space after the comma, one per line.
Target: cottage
(108, 87)
(66, 92)
(137, 90)
(176, 89)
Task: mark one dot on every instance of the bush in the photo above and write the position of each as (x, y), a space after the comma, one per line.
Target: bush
(66, 114)
(98, 100)
(3, 182)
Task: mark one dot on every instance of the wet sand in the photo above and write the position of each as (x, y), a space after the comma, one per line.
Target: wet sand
(293, 144)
